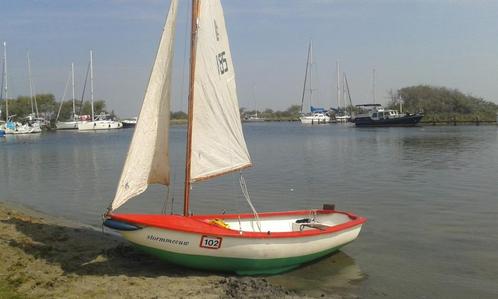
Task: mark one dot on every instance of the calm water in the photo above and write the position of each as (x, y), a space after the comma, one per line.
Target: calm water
(430, 194)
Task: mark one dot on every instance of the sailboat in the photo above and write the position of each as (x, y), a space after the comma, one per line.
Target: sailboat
(316, 115)
(10, 126)
(71, 124)
(342, 115)
(249, 243)
(34, 119)
(253, 117)
(101, 121)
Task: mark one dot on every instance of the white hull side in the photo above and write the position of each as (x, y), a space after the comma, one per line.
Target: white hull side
(246, 248)
(24, 129)
(343, 119)
(66, 125)
(99, 125)
(314, 120)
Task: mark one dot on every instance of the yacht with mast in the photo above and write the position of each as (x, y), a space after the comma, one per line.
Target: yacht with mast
(254, 117)
(72, 123)
(101, 121)
(248, 243)
(11, 126)
(341, 114)
(316, 115)
(34, 119)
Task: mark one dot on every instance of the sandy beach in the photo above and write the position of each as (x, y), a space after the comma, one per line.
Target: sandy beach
(47, 257)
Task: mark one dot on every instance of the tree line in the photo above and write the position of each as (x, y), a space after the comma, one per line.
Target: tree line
(437, 103)
(291, 113)
(48, 108)
(441, 103)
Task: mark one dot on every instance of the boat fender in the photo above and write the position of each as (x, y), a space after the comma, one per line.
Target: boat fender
(219, 222)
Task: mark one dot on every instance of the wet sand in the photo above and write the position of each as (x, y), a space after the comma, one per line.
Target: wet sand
(47, 257)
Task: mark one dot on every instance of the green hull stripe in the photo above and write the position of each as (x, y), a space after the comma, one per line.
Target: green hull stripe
(241, 266)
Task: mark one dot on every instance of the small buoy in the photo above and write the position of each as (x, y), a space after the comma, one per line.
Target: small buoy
(292, 189)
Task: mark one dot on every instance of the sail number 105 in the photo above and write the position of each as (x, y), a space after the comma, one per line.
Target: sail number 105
(211, 242)
(222, 63)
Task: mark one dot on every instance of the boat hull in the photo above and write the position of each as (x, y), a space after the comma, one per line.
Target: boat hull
(405, 121)
(22, 130)
(66, 125)
(216, 249)
(254, 120)
(314, 120)
(99, 125)
(128, 124)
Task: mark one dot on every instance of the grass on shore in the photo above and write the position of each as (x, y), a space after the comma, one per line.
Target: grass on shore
(7, 292)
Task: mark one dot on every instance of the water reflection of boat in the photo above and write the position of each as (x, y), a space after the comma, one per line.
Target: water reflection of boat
(377, 116)
(333, 274)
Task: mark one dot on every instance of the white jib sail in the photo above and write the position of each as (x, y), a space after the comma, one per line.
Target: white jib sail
(218, 144)
(147, 161)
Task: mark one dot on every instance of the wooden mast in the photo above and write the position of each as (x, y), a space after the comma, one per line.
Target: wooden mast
(193, 46)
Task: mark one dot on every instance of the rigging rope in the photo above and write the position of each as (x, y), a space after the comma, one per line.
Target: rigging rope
(243, 187)
(63, 97)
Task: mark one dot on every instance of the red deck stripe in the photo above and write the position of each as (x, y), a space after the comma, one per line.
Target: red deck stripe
(199, 224)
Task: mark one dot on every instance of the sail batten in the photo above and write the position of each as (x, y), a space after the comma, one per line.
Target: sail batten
(147, 161)
(218, 145)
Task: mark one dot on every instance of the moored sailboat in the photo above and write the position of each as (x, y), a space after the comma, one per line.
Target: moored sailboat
(251, 243)
(72, 123)
(102, 120)
(316, 115)
(11, 126)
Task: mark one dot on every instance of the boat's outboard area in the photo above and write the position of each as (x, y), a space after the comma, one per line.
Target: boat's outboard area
(119, 225)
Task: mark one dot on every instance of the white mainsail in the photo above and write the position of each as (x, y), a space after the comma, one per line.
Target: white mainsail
(147, 161)
(218, 144)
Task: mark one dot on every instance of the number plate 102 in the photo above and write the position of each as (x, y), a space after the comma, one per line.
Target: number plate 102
(211, 242)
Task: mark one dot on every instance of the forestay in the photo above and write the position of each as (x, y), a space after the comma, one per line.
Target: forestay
(147, 161)
(218, 144)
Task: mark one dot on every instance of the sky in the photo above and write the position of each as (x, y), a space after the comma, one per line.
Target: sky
(451, 43)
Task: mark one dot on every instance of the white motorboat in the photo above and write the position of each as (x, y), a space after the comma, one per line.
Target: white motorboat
(315, 118)
(129, 123)
(100, 122)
